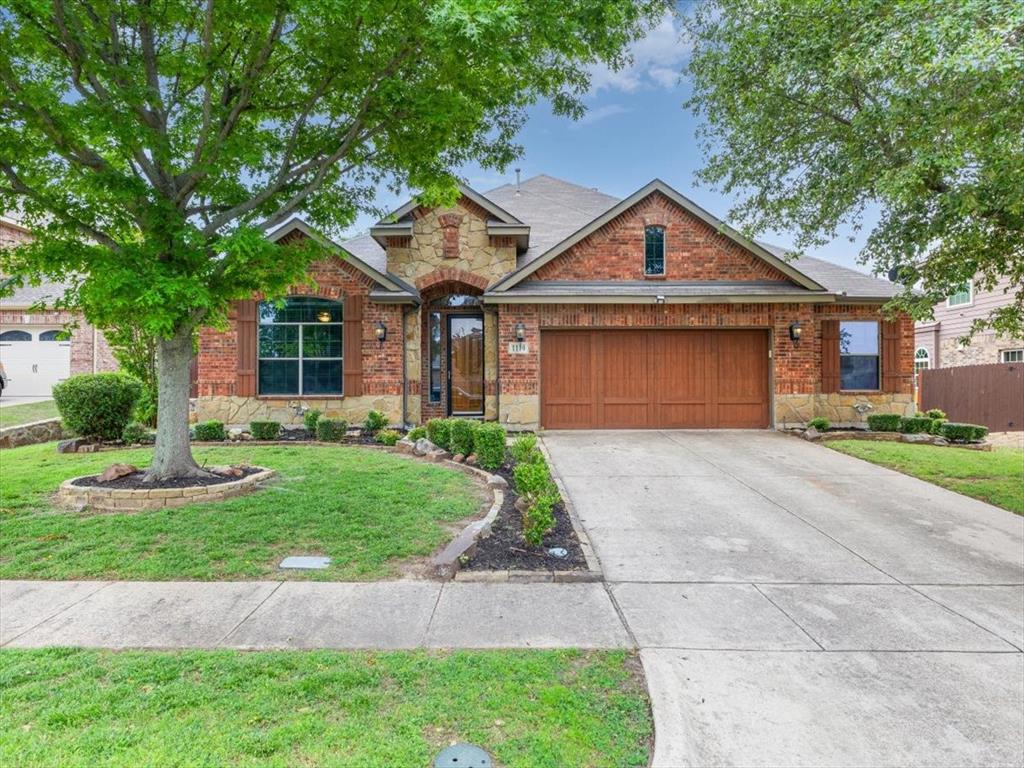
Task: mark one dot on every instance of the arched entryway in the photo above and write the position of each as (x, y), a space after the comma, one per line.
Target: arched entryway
(454, 368)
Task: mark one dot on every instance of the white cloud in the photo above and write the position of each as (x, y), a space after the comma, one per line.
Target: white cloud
(598, 114)
(656, 62)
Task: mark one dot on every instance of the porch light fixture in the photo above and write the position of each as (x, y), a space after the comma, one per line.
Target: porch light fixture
(382, 333)
(795, 332)
(324, 317)
(520, 331)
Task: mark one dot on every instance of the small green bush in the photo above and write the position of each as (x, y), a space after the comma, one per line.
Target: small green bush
(388, 436)
(819, 423)
(539, 518)
(417, 433)
(963, 433)
(97, 405)
(265, 430)
(461, 436)
(916, 425)
(210, 430)
(439, 432)
(134, 433)
(523, 448)
(533, 480)
(489, 444)
(935, 413)
(331, 430)
(937, 426)
(310, 418)
(375, 422)
(885, 422)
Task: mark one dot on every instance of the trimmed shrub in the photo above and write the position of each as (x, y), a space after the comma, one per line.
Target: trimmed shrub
(963, 433)
(310, 418)
(489, 444)
(819, 423)
(439, 432)
(134, 432)
(524, 448)
(935, 413)
(937, 426)
(375, 422)
(388, 436)
(417, 433)
(460, 436)
(265, 430)
(97, 405)
(916, 425)
(885, 422)
(539, 518)
(210, 430)
(533, 479)
(331, 430)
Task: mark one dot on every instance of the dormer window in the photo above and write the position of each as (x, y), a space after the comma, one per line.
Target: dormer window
(654, 251)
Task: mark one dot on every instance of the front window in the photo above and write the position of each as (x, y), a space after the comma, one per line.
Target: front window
(858, 355)
(963, 297)
(1011, 356)
(654, 251)
(299, 347)
(922, 360)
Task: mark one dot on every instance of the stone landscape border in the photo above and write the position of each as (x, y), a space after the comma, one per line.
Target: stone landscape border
(149, 499)
(899, 437)
(32, 433)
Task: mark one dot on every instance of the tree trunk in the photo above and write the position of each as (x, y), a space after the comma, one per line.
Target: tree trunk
(173, 455)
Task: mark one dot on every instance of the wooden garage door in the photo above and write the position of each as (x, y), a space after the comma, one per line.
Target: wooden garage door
(654, 379)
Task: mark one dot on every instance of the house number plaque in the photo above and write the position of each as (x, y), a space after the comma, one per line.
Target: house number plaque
(518, 348)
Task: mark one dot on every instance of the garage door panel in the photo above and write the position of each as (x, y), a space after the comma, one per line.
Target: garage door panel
(34, 359)
(654, 378)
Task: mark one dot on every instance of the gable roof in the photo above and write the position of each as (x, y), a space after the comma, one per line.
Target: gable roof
(389, 286)
(656, 186)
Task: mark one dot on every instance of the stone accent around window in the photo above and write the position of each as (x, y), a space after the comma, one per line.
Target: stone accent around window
(840, 409)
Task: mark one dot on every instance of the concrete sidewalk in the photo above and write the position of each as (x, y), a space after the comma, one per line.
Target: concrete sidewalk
(293, 614)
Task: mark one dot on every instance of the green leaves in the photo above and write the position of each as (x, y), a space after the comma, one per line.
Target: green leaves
(820, 115)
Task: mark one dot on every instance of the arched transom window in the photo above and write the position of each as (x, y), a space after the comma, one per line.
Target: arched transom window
(299, 347)
(922, 359)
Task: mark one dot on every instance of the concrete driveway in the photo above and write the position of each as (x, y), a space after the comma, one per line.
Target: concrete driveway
(795, 606)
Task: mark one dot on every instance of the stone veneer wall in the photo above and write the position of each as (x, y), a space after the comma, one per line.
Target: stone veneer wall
(240, 411)
(984, 349)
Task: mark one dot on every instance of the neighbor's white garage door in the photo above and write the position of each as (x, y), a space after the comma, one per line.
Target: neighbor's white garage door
(34, 360)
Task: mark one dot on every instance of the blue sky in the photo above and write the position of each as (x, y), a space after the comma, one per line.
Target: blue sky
(635, 129)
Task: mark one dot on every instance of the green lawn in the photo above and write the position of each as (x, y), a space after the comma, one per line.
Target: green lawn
(13, 415)
(367, 510)
(531, 709)
(996, 477)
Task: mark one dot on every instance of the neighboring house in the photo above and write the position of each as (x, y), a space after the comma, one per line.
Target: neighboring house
(34, 350)
(554, 305)
(937, 342)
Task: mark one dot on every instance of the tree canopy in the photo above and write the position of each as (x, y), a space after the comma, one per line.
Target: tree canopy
(818, 114)
(150, 144)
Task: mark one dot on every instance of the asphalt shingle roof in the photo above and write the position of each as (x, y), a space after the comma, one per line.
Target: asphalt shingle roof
(28, 295)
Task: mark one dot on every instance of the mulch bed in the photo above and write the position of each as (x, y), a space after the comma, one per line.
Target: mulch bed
(506, 549)
(301, 435)
(134, 481)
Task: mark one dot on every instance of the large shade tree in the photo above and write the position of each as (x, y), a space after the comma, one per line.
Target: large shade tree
(820, 115)
(151, 144)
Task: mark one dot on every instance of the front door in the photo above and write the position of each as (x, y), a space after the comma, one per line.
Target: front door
(466, 365)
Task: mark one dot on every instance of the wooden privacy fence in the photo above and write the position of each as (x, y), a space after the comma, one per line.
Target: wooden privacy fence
(991, 395)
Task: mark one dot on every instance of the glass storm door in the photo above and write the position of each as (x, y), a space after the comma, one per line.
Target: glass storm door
(466, 364)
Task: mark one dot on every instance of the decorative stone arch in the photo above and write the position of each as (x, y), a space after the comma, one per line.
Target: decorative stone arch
(460, 280)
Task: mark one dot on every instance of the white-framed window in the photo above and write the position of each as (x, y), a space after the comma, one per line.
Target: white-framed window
(654, 251)
(922, 359)
(963, 297)
(299, 346)
(1011, 355)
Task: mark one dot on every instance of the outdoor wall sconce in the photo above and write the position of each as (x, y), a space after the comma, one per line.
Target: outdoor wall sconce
(795, 332)
(324, 317)
(382, 333)
(659, 299)
(520, 331)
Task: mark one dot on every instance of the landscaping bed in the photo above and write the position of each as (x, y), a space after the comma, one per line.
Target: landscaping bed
(136, 480)
(572, 709)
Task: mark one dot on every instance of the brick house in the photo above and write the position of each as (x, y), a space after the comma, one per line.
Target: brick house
(937, 341)
(553, 305)
(33, 348)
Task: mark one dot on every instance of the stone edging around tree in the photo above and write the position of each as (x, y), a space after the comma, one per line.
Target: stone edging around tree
(149, 499)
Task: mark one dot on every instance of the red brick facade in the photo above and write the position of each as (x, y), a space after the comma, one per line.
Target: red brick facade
(693, 250)
(334, 279)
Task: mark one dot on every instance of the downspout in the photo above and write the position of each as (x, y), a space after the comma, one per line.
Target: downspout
(497, 364)
(406, 312)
